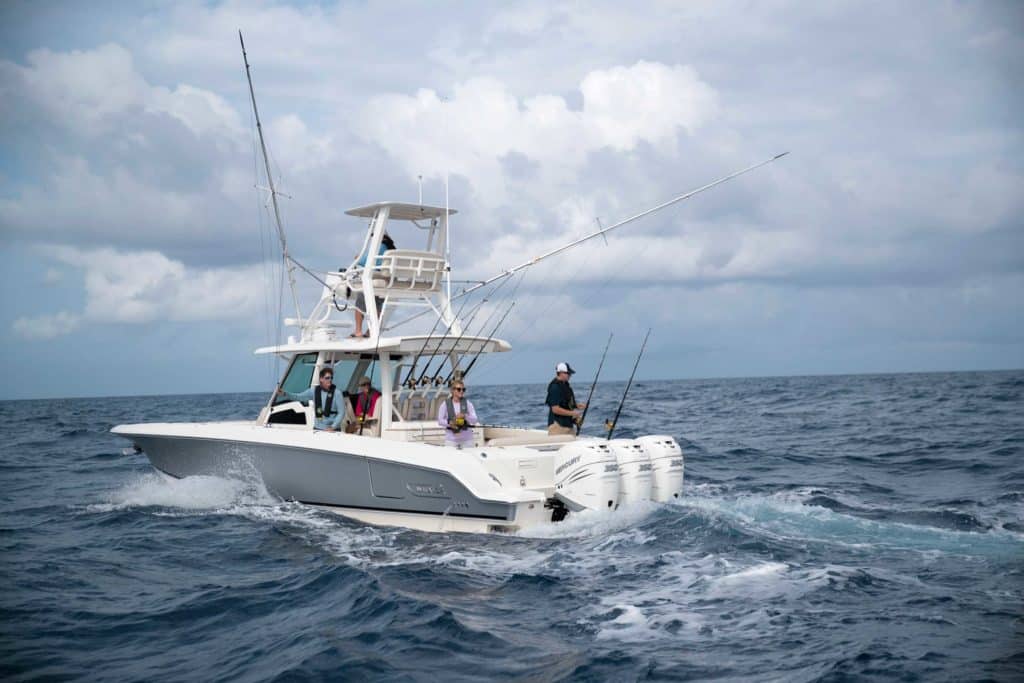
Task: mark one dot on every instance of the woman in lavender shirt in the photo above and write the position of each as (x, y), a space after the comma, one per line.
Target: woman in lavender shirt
(457, 416)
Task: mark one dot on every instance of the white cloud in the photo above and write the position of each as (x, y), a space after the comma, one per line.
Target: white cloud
(483, 122)
(647, 101)
(87, 89)
(146, 286)
(47, 326)
(136, 287)
(128, 162)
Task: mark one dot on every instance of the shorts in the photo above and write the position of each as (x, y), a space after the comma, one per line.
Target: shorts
(361, 302)
(555, 429)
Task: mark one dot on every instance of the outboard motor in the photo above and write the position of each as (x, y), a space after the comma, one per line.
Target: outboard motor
(586, 475)
(666, 467)
(634, 470)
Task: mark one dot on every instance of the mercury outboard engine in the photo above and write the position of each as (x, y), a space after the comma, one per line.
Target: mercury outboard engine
(634, 470)
(586, 475)
(666, 467)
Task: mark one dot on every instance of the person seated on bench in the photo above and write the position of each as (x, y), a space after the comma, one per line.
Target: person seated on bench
(366, 408)
(458, 417)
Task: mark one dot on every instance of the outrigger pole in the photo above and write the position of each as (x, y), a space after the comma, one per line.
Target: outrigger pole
(289, 261)
(615, 421)
(603, 231)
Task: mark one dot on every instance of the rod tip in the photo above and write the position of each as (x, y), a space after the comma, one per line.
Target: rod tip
(779, 156)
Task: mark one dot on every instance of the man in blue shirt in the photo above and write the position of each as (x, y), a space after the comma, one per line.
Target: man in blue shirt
(563, 410)
(327, 400)
(386, 244)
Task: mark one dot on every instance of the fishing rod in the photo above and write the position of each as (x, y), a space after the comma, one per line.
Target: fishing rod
(488, 341)
(430, 359)
(483, 325)
(603, 231)
(368, 402)
(433, 380)
(487, 297)
(440, 368)
(419, 354)
(579, 425)
(611, 425)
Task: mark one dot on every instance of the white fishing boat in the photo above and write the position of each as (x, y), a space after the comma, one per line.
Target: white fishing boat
(389, 463)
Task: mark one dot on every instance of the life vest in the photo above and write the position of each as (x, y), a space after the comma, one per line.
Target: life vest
(568, 396)
(568, 402)
(460, 419)
(363, 412)
(324, 409)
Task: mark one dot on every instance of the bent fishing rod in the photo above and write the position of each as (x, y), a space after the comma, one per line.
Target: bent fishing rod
(579, 425)
(615, 421)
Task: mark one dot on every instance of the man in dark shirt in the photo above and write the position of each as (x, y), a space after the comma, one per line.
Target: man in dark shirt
(563, 411)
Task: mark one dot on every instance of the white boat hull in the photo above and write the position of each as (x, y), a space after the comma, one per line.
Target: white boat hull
(389, 482)
(383, 481)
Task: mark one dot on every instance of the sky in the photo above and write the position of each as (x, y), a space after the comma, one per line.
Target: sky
(137, 257)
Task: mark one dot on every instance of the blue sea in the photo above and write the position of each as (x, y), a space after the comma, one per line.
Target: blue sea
(841, 528)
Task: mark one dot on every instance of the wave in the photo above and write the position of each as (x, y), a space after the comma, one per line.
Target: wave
(799, 515)
(191, 493)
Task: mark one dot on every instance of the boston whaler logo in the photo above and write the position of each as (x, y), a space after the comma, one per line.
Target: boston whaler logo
(427, 490)
(568, 463)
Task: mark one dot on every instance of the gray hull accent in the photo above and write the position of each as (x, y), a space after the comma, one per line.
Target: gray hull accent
(324, 478)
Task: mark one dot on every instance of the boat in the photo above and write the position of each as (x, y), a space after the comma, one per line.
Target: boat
(392, 467)
(389, 465)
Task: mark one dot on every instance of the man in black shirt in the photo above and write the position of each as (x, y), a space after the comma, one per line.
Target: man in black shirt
(563, 411)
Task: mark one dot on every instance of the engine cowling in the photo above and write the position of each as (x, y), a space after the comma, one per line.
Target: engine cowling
(586, 475)
(634, 470)
(667, 467)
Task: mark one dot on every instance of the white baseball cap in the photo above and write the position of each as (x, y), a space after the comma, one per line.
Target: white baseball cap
(565, 367)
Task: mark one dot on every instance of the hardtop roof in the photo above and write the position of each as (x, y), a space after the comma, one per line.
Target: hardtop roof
(400, 211)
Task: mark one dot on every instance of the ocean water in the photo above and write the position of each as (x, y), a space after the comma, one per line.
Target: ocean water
(831, 529)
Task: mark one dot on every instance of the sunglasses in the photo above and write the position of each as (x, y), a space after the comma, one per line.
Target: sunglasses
(327, 377)
(458, 388)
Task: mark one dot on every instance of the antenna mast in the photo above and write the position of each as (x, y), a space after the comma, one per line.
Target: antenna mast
(289, 262)
(447, 251)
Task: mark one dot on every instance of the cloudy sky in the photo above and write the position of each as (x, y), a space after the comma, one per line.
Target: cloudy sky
(133, 244)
